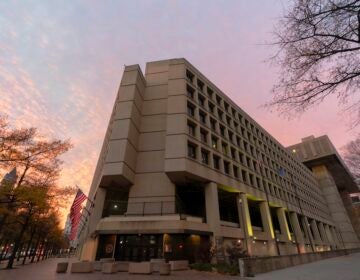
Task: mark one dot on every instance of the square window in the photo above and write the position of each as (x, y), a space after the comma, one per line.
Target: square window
(202, 117)
(216, 162)
(203, 135)
(189, 76)
(190, 91)
(226, 167)
(204, 156)
(214, 142)
(200, 85)
(191, 151)
(191, 129)
(190, 110)
(236, 171)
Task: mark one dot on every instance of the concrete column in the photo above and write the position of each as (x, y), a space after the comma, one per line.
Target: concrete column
(316, 232)
(307, 230)
(244, 220)
(297, 231)
(284, 227)
(246, 215)
(323, 233)
(266, 220)
(212, 208)
(213, 219)
(330, 237)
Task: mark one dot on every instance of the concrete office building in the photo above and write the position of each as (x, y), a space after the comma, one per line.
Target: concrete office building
(182, 167)
(336, 182)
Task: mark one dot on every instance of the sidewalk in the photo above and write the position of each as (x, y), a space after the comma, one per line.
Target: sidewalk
(340, 268)
(45, 270)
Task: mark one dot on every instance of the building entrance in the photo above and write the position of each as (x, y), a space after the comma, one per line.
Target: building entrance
(138, 248)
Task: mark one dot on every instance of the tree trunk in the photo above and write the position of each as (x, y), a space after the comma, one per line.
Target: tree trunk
(21, 246)
(40, 252)
(28, 246)
(18, 240)
(2, 254)
(36, 248)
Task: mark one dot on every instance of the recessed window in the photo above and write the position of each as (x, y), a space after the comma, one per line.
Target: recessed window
(220, 114)
(190, 110)
(191, 128)
(224, 148)
(236, 171)
(216, 162)
(214, 142)
(202, 117)
(252, 182)
(241, 157)
(191, 151)
(210, 92)
(213, 124)
(204, 157)
(230, 135)
(190, 91)
(233, 153)
(211, 108)
(218, 100)
(226, 107)
(244, 175)
(201, 100)
(222, 130)
(189, 76)
(200, 85)
(228, 120)
(227, 167)
(203, 135)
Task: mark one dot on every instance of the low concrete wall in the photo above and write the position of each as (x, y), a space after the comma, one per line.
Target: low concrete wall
(258, 265)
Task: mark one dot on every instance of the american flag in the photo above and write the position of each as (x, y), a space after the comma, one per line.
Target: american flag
(75, 213)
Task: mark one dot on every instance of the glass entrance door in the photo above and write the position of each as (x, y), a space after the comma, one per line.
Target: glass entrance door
(138, 247)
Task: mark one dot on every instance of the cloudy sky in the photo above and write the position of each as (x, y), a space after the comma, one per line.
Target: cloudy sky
(61, 63)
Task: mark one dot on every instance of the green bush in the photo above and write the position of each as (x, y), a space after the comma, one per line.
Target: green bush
(225, 268)
(201, 266)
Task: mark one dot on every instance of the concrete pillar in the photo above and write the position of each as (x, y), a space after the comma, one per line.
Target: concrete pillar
(266, 219)
(246, 214)
(268, 227)
(297, 232)
(329, 236)
(323, 233)
(307, 230)
(316, 232)
(212, 208)
(284, 227)
(213, 219)
(245, 221)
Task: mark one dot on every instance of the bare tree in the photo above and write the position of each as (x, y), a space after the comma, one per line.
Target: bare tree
(319, 55)
(352, 157)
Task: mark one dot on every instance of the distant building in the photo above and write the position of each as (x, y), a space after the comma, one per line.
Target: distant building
(339, 187)
(183, 166)
(9, 178)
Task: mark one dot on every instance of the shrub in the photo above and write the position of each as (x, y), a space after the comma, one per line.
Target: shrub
(225, 268)
(201, 266)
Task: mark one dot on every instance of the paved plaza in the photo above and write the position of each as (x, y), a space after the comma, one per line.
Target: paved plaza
(344, 268)
(340, 268)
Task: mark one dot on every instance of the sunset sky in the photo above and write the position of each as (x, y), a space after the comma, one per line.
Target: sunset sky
(61, 63)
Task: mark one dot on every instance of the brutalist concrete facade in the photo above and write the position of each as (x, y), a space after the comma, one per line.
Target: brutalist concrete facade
(184, 170)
